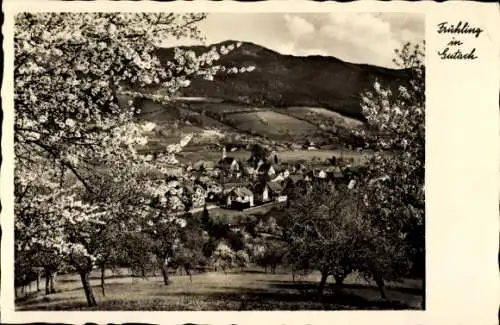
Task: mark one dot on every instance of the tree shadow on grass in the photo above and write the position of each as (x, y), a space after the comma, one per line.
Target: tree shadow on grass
(251, 272)
(307, 286)
(262, 299)
(50, 303)
(278, 295)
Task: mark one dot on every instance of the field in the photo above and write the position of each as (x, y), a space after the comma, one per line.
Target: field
(271, 124)
(295, 124)
(314, 113)
(284, 156)
(250, 289)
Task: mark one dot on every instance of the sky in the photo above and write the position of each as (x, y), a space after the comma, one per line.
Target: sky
(354, 37)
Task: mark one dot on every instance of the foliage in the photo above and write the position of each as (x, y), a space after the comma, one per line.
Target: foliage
(235, 240)
(223, 257)
(326, 230)
(271, 255)
(374, 226)
(79, 181)
(242, 259)
(395, 196)
(258, 152)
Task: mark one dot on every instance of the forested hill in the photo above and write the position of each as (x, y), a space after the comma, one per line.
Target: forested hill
(286, 80)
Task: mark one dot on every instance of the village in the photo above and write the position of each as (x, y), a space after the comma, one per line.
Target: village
(239, 184)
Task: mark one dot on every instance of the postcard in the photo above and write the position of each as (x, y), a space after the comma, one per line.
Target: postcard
(279, 162)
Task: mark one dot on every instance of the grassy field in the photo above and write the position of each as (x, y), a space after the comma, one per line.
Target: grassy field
(270, 124)
(285, 156)
(251, 289)
(314, 113)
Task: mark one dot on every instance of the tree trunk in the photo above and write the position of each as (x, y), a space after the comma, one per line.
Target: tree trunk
(53, 282)
(339, 283)
(47, 283)
(38, 281)
(324, 277)
(164, 272)
(381, 287)
(91, 302)
(103, 271)
(188, 272)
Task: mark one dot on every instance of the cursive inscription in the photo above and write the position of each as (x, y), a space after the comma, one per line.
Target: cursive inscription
(454, 49)
(459, 28)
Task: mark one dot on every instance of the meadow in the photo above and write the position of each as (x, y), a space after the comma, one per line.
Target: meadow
(248, 289)
(314, 114)
(290, 156)
(271, 124)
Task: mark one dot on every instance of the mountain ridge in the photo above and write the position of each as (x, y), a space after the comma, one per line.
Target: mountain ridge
(282, 80)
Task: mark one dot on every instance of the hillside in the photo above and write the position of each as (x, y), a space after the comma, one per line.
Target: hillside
(286, 80)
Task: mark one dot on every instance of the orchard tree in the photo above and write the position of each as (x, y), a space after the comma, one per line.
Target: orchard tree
(71, 133)
(395, 196)
(326, 231)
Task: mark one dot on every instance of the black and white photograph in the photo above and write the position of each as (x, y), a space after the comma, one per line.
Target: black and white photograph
(173, 161)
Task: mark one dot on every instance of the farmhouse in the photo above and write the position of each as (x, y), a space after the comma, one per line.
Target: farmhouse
(240, 198)
(267, 191)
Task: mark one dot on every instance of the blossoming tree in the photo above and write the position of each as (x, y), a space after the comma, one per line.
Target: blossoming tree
(394, 196)
(77, 172)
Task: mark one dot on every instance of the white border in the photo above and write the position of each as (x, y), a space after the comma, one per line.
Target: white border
(461, 172)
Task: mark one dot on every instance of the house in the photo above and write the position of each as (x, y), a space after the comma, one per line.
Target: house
(276, 191)
(282, 176)
(249, 171)
(334, 173)
(261, 192)
(239, 198)
(309, 145)
(267, 191)
(266, 169)
(319, 173)
(229, 164)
